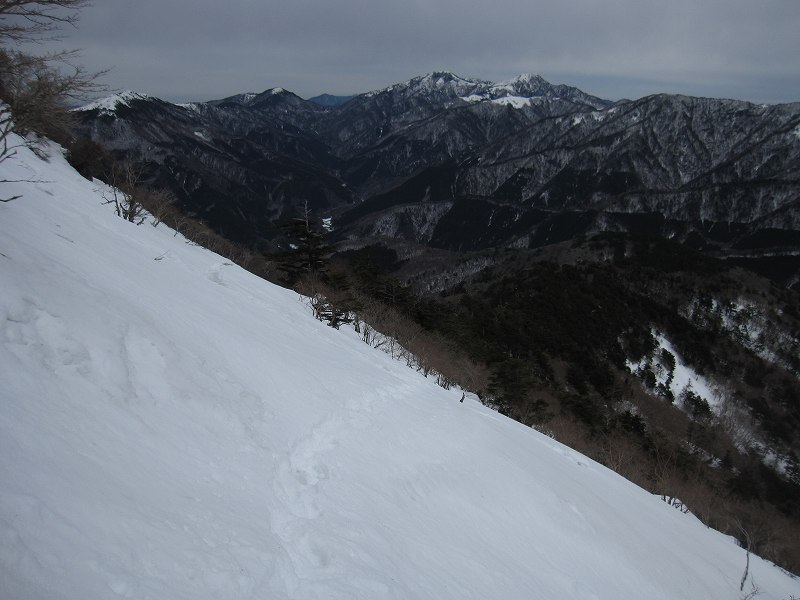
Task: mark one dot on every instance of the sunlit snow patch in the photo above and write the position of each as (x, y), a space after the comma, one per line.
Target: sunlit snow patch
(677, 379)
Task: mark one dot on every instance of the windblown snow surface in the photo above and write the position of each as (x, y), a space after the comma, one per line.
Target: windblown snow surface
(173, 427)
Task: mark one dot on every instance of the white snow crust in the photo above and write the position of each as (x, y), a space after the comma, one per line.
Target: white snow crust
(474, 98)
(513, 101)
(172, 427)
(686, 378)
(679, 380)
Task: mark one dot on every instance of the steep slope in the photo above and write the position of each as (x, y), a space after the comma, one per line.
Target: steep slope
(173, 427)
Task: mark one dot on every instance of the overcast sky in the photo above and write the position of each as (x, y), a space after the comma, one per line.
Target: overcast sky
(204, 49)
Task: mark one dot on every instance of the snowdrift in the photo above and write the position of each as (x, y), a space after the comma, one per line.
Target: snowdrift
(174, 427)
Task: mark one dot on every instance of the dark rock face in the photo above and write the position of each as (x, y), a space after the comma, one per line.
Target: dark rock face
(466, 164)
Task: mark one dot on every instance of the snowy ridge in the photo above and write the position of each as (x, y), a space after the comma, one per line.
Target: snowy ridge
(173, 427)
(513, 101)
(526, 85)
(523, 89)
(109, 104)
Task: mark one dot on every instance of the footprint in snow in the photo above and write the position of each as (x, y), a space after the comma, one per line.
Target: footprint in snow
(215, 273)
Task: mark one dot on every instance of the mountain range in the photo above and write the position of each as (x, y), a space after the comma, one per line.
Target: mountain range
(464, 164)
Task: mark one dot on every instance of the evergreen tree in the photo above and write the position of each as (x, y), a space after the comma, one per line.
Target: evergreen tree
(308, 253)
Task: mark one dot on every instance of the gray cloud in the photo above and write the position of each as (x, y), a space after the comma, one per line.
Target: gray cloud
(202, 49)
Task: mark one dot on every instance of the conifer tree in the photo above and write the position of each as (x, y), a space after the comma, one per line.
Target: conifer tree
(308, 252)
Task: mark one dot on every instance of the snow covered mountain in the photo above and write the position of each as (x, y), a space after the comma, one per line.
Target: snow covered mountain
(173, 427)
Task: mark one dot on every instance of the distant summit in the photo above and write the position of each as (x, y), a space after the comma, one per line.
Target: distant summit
(330, 100)
(253, 100)
(439, 86)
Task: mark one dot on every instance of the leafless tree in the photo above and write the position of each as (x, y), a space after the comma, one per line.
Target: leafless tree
(37, 20)
(39, 92)
(159, 203)
(7, 148)
(125, 180)
(38, 88)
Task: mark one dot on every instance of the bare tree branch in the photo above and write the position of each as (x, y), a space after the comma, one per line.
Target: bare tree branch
(36, 90)
(6, 151)
(36, 20)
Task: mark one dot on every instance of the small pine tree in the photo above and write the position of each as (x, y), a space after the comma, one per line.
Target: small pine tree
(307, 254)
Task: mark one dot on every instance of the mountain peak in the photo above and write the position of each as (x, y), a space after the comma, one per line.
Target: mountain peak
(525, 78)
(437, 83)
(442, 77)
(255, 99)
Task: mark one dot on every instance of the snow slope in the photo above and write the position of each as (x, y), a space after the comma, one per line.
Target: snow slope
(173, 427)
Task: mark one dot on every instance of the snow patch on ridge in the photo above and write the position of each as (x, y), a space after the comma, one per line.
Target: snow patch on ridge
(109, 104)
(512, 101)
